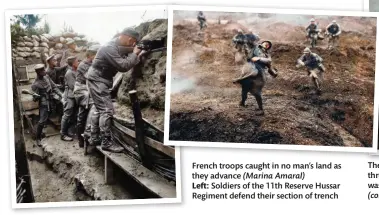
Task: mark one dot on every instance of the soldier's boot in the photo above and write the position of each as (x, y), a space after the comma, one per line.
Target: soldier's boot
(39, 134)
(243, 98)
(108, 145)
(258, 98)
(65, 137)
(273, 72)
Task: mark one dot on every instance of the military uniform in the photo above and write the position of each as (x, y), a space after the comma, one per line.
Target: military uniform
(333, 30)
(82, 98)
(68, 53)
(312, 29)
(313, 62)
(45, 88)
(105, 66)
(202, 20)
(69, 101)
(57, 74)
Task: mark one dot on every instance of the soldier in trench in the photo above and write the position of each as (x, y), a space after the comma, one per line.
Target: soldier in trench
(106, 64)
(70, 52)
(45, 91)
(253, 77)
(83, 100)
(69, 103)
(202, 20)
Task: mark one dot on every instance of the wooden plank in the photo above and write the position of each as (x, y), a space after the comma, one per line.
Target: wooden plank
(169, 151)
(139, 129)
(109, 171)
(145, 177)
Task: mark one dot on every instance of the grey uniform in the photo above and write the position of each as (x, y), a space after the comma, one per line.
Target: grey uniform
(106, 64)
(57, 74)
(85, 104)
(69, 105)
(46, 88)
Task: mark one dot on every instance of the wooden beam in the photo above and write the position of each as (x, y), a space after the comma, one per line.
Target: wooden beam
(167, 150)
(139, 129)
(109, 171)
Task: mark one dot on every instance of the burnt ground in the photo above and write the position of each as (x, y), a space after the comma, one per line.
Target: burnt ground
(204, 101)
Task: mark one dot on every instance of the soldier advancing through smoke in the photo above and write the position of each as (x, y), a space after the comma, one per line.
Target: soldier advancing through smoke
(253, 77)
(81, 95)
(105, 66)
(202, 20)
(333, 31)
(45, 91)
(313, 62)
(69, 99)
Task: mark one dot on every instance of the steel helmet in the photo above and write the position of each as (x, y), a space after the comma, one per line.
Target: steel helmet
(239, 31)
(307, 50)
(312, 20)
(334, 21)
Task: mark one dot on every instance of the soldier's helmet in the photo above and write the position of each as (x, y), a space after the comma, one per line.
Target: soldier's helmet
(312, 20)
(307, 51)
(334, 21)
(266, 45)
(240, 31)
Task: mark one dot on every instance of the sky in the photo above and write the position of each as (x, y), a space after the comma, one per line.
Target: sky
(100, 26)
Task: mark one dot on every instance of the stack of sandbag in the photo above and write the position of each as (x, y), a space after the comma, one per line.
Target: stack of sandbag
(46, 44)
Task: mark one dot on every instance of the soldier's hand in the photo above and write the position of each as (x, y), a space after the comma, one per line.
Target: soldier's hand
(254, 59)
(136, 50)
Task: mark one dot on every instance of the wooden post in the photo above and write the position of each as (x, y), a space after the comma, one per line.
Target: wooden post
(109, 173)
(139, 129)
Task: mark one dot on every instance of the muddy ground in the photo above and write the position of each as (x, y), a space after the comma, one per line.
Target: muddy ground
(204, 101)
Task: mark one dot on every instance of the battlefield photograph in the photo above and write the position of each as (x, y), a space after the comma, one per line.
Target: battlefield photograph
(89, 97)
(266, 78)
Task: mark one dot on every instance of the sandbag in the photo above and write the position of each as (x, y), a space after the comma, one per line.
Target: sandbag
(62, 40)
(44, 45)
(21, 44)
(22, 54)
(48, 36)
(27, 39)
(69, 34)
(20, 39)
(51, 51)
(19, 58)
(36, 54)
(58, 46)
(29, 44)
(14, 55)
(44, 39)
(36, 49)
(45, 50)
(35, 43)
(27, 54)
(36, 38)
(77, 39)
(81, 35)
(24, 49)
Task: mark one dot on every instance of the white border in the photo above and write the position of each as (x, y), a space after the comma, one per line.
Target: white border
(171, 9)
(15, 205)
(366, 5)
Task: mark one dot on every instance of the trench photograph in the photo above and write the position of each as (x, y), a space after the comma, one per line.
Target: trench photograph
(88, 102)
(272, 78)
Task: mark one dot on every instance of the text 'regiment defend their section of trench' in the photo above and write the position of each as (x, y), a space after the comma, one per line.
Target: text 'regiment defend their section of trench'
(217, 181)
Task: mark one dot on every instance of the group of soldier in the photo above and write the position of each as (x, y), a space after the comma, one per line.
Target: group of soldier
(258, 60)
(87, 89)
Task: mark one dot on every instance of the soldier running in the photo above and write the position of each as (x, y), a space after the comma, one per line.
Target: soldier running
(45, 91)
(202, 20)
(333, 30)
(313, 62)
(81, 93)
(105, 66)
(69, 99)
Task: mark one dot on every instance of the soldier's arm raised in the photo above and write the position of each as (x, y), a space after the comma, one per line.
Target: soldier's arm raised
(121, 64)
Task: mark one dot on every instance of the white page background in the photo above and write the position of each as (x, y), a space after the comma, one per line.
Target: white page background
(353, 176)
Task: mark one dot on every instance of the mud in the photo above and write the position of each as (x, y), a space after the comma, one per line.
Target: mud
(207, 108)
